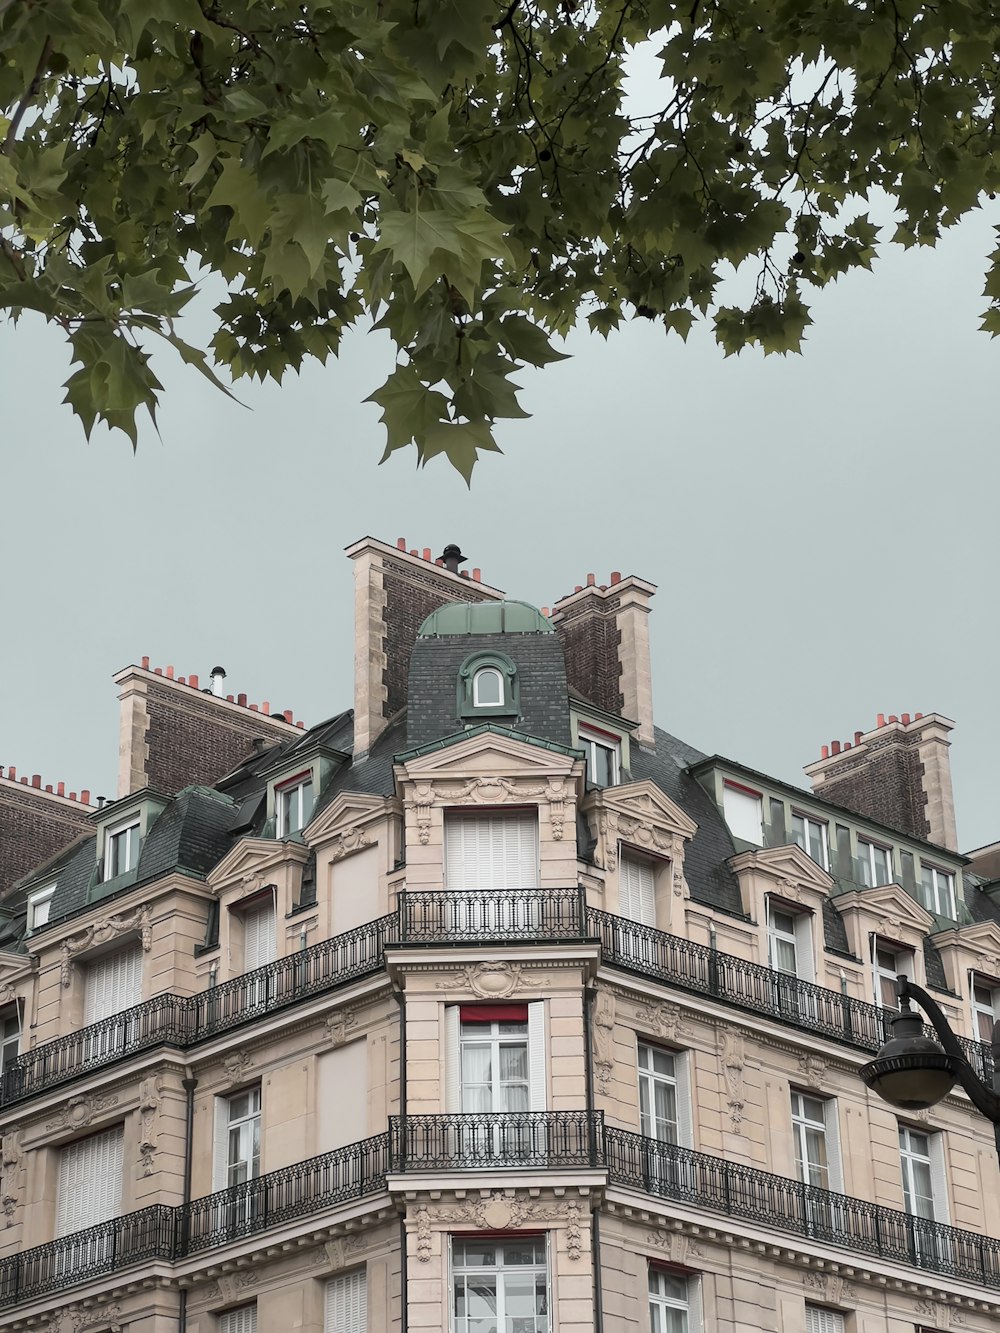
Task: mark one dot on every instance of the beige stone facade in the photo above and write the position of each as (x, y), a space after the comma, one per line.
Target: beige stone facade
(304, 1142)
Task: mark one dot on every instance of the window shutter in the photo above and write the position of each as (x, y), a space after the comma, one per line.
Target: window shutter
(489, 852)
(90, 1182)
(259, 936)
(819, 1320)
(243, 1320)
(939, 1178)
(220, 1148)
(682, 1076)
(695, 1323)
(637, 891)
(536, 1056)
(452, 1060)
(347, 1303)
(805, 959)
(112, 983)
(835, 1161)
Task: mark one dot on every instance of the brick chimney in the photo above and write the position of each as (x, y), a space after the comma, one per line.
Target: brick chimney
(172, 733)
(36, 823)
(898, 774)
(395, 590)
(605, 634)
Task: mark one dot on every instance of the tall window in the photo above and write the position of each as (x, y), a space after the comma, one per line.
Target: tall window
(874, 864)
(495, 1075)
(637, 890)
(491, 852)
(782, 940)
(889, 963)
(939, 892)
(924, 1189)
(499, 1285)
(811, 835)
(658, 1098)
(812, 1159)
(603, 755)
(243, 1320)
(237, 1146)
(293, 804)
(744, 814)
(259, 933)
(88, 1191)
(121, 849)
(10, 1038)
(790, 955)
(112, 982)
(672, 1302)
(347, 1303)
(985, 1010)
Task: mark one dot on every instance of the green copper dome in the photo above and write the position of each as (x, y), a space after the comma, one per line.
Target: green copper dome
(485, 618)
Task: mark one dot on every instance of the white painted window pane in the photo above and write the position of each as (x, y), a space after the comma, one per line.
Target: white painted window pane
(637, 894)
(112, 983)
(347, 1303)
(89, 1188)
(243, 1320)
(743, 814)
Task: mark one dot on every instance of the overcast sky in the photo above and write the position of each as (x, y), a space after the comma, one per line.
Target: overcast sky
(822, 528)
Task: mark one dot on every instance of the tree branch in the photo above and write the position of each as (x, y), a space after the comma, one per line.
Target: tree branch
(29, 93)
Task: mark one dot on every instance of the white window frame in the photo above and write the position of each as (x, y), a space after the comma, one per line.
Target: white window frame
(827, 1125)
(938, 889)
(979, 1009)
(89, 1192)
(225, 1162)
(131, 830)
(590, 740)
(902, 965)
(480, 674)
(820, 1319)
(741, 819)
(800, 937)
(867, 858)
(678, 1080)
(811, 822)
(345, 1303)
(663, 1304)
(284, 816)
(537, 1057)
(39, 907)
(252, 911)
(542, 1320)
(10, 1035)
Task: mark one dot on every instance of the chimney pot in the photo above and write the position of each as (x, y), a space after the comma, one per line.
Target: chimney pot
(193, 682)
(880, 720)
(24, 782)
(12, 773)
(578, 588)
(439, 561)
(477, 576)
(300, 724)
(847, 745)
(265, 707)
(287, 715)
(591, 580)
(145, 664)
(158, 671)
(170, 673)
(36, 779)
(906, 719)
(414, 551)
(48, 787)
(857, 737)
(218, 674)
(241, 699)
(230, 699)
(917, 717)
(72, 796)
(616, 576)
(253, 708)
(427, 552)
(182, 680)
(85, 796)
(545, 612)
(60, 789)
(893, 717)
(835, 747)
(464, 573)
(825, 752)
(401, 543)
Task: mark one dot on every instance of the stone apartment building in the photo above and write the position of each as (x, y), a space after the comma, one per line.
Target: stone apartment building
(485, 1005)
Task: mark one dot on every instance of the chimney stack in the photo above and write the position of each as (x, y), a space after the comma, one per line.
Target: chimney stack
(898, 774)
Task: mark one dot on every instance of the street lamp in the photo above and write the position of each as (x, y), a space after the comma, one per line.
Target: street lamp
(912, 1071)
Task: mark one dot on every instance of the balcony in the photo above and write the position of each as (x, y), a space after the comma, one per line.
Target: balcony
(539, 1141)
(446, 917)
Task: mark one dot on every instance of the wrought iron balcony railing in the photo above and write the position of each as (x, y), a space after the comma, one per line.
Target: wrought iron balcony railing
(458, 917)
(185, 1020)
(720, 1186)
(465, 1142)
(446, 915)
(760, 990)
(539, 1141)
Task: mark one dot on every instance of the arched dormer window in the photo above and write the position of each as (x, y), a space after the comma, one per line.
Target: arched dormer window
(488, 687)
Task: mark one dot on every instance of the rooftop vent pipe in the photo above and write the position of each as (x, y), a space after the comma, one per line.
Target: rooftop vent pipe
(218, 682)
(453, 557)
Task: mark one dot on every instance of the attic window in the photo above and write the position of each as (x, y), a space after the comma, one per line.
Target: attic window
(39, 906)
(603, 753)
(121, 849)
(487, 687)
(293, 802)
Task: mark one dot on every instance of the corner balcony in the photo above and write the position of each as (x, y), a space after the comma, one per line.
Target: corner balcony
(453, 916)
(542, 1140)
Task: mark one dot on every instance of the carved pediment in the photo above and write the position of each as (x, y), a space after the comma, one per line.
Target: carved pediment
(788, 866)
(14, 968)
(252, 859)
(348, 810)
(487, 754)
(978, 944)
(642, 816)
(645, 803)
(893, 908)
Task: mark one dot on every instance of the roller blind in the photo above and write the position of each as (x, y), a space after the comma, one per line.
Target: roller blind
(90, 1182)
(491, 851)
(637, 891)
(112, 983)
(347, 1303)
(742, 810)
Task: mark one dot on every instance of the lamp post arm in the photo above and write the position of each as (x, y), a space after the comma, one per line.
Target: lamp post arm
(982, 1098)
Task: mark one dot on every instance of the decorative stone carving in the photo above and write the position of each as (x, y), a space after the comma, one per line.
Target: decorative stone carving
(489, 791)
(785, 888)
(421, 803)
(351, 840)
(574, 1234)
(813, 1069)
(79, 1111)
(339, 1253)
(102, 931)
(665, 1019)
(233, 1286)
(7, 993)
(604, 1038)
(613, 827)
(150, 1101)
(12, 1157)
(423, 1219)
(339, 1025)
(679, 1248)
(105, 1317)
(491, 981)
(829, 1286)
(504, 1210)
(732, 1055)
(555, 794)
(235, 1066)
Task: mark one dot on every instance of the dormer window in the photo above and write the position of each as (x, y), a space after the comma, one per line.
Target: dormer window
(939, 892)
(121, 849)
(603, 753)
(487, 687)
(293, 802)
(39, 906)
